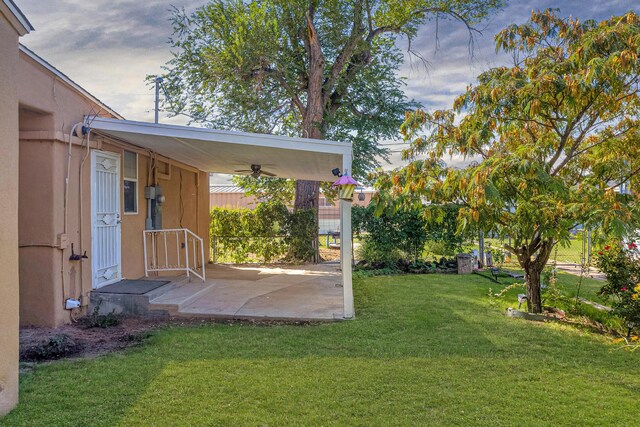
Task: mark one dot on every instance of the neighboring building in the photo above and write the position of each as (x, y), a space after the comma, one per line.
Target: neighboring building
(13, 24)
(81, 191)
(233, 197)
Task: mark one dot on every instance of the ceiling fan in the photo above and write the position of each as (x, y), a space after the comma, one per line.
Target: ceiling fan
(255, 171)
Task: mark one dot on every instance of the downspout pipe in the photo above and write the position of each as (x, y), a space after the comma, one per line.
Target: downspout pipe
(66, 210)
(86, 130)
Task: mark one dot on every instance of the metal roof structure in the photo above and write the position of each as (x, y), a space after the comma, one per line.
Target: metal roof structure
(221, 151)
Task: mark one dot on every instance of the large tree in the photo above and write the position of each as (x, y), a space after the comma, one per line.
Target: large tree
(312, 68)
(553, 138)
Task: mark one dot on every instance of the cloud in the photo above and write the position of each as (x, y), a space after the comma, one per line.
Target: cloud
(109, 46)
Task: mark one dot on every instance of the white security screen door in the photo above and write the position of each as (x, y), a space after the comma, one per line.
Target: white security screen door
(105, 218)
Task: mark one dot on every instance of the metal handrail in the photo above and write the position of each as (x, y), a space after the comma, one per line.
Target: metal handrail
(190, 265)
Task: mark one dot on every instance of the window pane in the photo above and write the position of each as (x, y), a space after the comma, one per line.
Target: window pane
(130, 165)
(130, 196)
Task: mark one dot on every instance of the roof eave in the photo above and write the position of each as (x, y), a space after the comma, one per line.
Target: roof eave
(19, 22)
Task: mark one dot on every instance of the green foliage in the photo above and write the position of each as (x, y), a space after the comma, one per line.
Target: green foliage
(554, 135)
(58, 346)
(301, 230)
(389, 237)
(97, 320)
(261, 66)
(621, 265)
(240, 235)
(442, 230)
(265, 234)
(267, 189)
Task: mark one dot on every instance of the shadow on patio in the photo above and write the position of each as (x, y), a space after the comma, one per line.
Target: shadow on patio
(304, 292)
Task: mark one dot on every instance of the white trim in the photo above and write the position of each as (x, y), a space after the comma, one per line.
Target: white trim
(345, 250)
(94, 251)
(67, 80)
(222, 151)
(124, 178)
(20, 17)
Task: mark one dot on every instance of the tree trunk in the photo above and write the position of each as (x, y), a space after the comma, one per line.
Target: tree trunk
(308, 192)
(533, 259)
(534, 298)
(307, 196)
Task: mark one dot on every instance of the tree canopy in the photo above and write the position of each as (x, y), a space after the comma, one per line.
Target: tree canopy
(552, 139)
(321, 69)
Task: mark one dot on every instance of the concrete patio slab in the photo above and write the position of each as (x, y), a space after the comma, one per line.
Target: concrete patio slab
(308, 292)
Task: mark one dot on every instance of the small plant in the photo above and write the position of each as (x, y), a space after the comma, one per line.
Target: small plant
(630, 343)
(56, 347)
(498, 257)
(552, 296)
(493, 297)
(97, 320)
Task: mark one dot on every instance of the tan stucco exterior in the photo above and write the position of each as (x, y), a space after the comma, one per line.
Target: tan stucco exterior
(10, 30)
(49, 108)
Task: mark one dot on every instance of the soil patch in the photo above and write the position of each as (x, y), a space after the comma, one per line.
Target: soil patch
(76, 341)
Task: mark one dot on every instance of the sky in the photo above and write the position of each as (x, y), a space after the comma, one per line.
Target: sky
(109, 46)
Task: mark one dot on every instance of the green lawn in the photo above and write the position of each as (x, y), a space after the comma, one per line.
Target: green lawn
(424, 350)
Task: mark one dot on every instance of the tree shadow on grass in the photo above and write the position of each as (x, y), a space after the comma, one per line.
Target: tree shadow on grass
(420, 350)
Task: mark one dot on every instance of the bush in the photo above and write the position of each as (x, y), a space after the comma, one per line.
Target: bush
(301, 230)
(265, 234)
(389, 237)
(621, 265)
(441, 229)
(377, 254)
(436, 249)
(57, 347)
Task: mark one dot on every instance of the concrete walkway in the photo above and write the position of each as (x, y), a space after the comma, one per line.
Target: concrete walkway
(576, 269)
(308, 292)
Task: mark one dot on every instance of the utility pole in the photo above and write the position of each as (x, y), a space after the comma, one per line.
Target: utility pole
(157, 109)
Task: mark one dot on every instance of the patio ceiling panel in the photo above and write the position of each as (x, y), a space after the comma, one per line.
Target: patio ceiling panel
(220, 151)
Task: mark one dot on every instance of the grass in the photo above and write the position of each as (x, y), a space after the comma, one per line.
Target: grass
(424, 350)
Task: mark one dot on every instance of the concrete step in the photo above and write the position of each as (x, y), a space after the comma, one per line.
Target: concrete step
(175, 281)
(179, 296)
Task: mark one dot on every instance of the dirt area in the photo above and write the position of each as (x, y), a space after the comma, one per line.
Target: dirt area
(77, 341)
(329, 254)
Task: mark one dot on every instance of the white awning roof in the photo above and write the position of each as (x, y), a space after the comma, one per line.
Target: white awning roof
(219, 151)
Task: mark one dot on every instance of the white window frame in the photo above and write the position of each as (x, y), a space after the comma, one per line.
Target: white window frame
(124, 178)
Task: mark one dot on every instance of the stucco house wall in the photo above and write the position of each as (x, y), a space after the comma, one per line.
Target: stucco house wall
(10, 29)
(49, 108)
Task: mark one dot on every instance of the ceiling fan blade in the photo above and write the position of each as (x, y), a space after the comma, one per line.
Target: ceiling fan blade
(267, 173)
(243, 170)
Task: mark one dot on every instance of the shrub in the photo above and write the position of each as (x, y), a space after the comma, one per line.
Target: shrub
(389, 237)
(97, 320)
(621, 265)
(265, 234)
(378, 254)
(442, 231)
(301, 230)
(56, 347)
